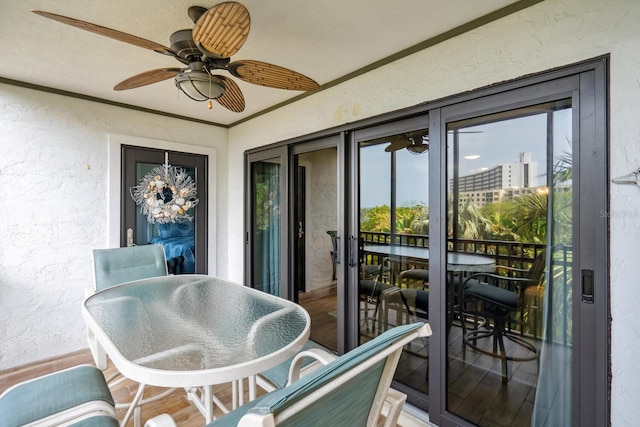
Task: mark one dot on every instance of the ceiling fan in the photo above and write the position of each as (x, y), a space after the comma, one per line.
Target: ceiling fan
(414, 142)
(219, 33)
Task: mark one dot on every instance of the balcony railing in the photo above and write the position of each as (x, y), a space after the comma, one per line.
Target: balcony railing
(511, 254)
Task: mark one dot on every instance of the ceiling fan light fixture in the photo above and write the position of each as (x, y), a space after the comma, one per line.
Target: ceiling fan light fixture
(199, 85)
(418, 148)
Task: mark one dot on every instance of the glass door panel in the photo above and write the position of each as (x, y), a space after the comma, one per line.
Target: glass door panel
(184, 241)
(265, 268)
(315, 235)
(393, 245)
(509, 259)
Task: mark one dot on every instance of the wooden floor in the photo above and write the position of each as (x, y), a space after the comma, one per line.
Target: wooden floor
(176, 404)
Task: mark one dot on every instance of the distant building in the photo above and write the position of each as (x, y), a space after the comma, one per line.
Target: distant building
(502, 182)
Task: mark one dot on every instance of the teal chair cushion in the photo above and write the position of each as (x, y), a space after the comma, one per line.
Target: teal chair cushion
(347, 406)
(493, 294)
(51, 394)
(119, 265)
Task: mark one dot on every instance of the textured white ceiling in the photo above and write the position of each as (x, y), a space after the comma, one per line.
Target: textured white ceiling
(325, 40)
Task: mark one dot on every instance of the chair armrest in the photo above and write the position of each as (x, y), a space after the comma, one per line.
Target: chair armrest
(320, 356)
(396, 400)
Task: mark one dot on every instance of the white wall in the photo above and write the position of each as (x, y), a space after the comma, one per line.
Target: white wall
(321, 210)
(53, 198)
(550, 34)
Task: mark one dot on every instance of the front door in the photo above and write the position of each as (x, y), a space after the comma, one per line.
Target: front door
(186, 239)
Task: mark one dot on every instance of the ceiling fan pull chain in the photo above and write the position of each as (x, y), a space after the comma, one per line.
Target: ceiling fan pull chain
(210, 103)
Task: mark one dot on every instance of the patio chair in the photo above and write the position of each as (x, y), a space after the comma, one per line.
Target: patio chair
(114, 266)
(370, 291)
(75, 396)
(119, 265)
(410, 305)
(350, 390)
(498, 300)
(277, 377)
(417, 278)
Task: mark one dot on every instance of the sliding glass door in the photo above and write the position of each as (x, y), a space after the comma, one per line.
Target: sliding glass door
(481, 215)
(316, 235)
(267, 219)
(506, 204)
(514, 256)
(391, 285)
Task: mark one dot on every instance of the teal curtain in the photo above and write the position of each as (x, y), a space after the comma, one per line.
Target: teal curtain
(267, 244)
(553, 393)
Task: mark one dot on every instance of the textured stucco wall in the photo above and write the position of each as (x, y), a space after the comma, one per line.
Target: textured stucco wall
(53, 182)
(550, 34)
(321, 211)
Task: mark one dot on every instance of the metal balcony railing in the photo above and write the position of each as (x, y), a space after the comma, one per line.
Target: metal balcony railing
(511, 254)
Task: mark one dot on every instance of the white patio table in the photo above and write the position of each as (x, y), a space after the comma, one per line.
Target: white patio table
(194, 331)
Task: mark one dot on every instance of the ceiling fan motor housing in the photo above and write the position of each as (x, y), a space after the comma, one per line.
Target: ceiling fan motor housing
(182, 43)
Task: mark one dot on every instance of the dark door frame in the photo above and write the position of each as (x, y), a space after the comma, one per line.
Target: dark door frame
(300, 227)
(591, 379)
(586, 86)
(116, 141)
(131, 156)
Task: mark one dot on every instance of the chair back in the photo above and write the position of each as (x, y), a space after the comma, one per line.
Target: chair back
(348, 391)
(417, 278)
(537, 270)
(119, 265)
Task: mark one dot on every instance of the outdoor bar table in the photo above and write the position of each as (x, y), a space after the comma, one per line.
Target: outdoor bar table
(194, 331)
(457, 263)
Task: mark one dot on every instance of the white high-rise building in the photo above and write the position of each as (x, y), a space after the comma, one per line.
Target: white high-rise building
(502, 182)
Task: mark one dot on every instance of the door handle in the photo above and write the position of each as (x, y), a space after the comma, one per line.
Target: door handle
(352, 255)
(300, 230)
(336, 252)
(587, 286)
(130, 241)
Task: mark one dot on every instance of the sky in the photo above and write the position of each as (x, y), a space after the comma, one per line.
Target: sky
(495, 143)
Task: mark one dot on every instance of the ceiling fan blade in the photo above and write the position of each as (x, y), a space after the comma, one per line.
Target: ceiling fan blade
(232, 98)
(398, 144)
(264, 74)
(108, 32)
(223, 29)
(147, 78)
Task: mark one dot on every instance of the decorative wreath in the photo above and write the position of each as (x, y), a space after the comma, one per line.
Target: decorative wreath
(165, 194)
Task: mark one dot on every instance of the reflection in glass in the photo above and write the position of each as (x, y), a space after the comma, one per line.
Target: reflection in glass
(509, 199)
(394, 217)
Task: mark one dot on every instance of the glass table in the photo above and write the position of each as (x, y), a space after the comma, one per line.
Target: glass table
(456, 261)
(194, 331)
